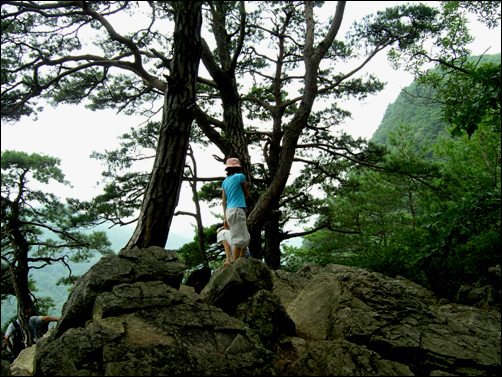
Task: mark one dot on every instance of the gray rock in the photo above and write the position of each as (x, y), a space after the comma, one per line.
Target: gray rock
(288, 285)
(399, 320)
(343, 358)
(229, 286)
(264, 313)
(335, 320)
(308, 270)
(184, 339)
(129, 298)
(128, 266)
(23, 365)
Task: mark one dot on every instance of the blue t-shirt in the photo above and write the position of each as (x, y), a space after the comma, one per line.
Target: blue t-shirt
(233, 190)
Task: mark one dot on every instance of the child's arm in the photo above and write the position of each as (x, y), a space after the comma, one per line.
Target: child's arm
(224, 201)
(245, 189)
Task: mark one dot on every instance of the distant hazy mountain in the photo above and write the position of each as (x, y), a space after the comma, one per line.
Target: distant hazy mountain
(119, 236)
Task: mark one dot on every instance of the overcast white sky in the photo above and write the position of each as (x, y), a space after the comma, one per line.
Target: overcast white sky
(72, 133)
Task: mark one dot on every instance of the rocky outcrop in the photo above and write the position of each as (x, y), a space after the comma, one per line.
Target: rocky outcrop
(401, 321)
(128, 266)
(250, 320)
(343, 358)
(230, 286)
(183, 339)
(486, 296)
(244, 292)
(134, 320)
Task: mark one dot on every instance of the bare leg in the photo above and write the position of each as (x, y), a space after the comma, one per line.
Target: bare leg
(227, 253)
(236, 253)
(239, 252)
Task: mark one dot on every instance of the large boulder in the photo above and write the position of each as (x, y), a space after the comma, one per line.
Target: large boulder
(399, 320)
(243, 290)
(127, 316)
(128, 266)
(172, 339)
(229, 286)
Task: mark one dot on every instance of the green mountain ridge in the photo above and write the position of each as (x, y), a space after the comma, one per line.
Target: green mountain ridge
(413, 109)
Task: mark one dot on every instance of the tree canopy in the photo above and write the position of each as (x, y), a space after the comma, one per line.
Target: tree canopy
(272, 82)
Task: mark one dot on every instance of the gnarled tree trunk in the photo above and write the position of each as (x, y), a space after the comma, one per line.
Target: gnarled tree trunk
(312, 58)
(162, 194)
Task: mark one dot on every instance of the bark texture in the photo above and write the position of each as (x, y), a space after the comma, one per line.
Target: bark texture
(162, 194)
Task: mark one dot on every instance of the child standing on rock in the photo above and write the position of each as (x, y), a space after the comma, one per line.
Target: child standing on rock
(234, 207)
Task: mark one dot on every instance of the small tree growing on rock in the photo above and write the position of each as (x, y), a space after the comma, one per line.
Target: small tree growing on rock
(37, 229)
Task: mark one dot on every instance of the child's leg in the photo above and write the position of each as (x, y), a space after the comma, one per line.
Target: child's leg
(241, 252)
(236, 253)
(227, 253)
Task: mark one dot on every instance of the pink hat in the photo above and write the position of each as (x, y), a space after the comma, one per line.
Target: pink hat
(233, 163)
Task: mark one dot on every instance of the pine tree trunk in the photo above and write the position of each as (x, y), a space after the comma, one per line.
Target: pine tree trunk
(273, 241)
(162, 194)
(19, 271)
(312, 58)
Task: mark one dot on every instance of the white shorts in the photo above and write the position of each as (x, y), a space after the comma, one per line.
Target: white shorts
(239, 235)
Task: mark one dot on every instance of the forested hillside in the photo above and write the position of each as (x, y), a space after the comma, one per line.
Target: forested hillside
(430, 209)
(415, 107)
